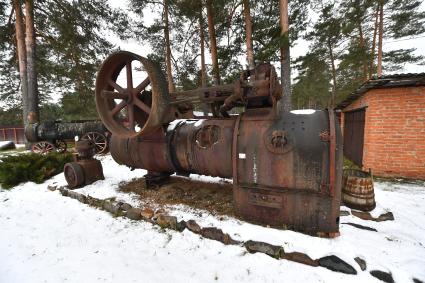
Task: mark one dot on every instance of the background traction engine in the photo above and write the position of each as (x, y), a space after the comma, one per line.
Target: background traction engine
(49, 136)
(286, 167)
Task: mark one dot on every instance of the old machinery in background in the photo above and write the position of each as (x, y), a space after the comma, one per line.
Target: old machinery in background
(53, 135)
(286, 166)
(85, 169)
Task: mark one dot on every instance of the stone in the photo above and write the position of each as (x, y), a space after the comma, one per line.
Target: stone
(158, 212)
(383, 276)
(167, 221)
(416, 280)
(265, 248)
(63, 191)
(344, 213)
(52, 188)
(181, 225)
(214, 233)
(334, 263)
(300, 258)
(81, 198)
(73, 195)
(361, 226)
(366, 216)
(361, 262)
(193, 226)
(124, 206)
(134, 213)
(386, 217)
(362, 215)
(147, 213)
(94, 201)
(110, 207)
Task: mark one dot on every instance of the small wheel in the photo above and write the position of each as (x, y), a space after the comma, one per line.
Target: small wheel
(42, 147)
(128, 108)
(100, 141)
(74, 174)
(61, 146)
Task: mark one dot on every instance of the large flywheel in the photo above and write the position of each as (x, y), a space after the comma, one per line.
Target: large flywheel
(131, 105)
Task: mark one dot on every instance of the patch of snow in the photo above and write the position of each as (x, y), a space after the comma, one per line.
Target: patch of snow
(46, 237)
(303, 111)
(3, 143)
(174, 124)
(201, 114)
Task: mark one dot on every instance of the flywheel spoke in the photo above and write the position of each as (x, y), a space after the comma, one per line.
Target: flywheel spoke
(130, 114)
(118, 107)
(142, 85)
(113, 94)
(141, 105)
(115, 86)
(129, 75)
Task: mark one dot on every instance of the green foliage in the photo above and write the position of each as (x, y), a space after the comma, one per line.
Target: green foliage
(15, 169)
(48, 112)
(71, 43)
(312, 88)
(348, 164)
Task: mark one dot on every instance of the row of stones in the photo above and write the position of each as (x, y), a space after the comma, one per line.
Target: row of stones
(165, 221)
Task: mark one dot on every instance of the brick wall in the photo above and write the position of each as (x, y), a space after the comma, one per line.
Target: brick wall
(394, 142)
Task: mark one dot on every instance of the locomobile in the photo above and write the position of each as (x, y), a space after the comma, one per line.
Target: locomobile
(286, 166)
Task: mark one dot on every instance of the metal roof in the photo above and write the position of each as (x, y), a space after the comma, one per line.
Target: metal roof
(388, 81)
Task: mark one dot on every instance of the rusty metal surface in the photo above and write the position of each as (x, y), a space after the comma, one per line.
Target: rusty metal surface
(203, 146)
(286, 184)
(85, 170)
(286, 167)
(146, 110)
(132, 110)
(287, 188)
(58, 130)
(149, 152)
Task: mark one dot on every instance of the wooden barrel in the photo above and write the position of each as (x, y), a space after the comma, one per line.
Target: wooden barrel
(357, 190)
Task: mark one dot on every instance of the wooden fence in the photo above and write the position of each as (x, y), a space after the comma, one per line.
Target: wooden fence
(12, 133)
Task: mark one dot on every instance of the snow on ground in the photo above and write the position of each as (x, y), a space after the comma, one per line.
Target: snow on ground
(45, 237)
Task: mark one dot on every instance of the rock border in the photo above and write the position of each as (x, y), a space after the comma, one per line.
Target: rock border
(161, 219)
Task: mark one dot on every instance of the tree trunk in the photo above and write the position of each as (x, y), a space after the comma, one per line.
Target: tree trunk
(332, 58)
(363, 49)
(381, 35)
(248, 29)
(20, 42)
(372, 56)
(213, 42)
(171, 87)
(202, 40)
(203, 68)
(33, 113)
(286, 105)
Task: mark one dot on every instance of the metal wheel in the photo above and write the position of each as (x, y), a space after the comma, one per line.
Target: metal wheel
(61, 146)
(74, 174)
(42, 147)
(100, 141)
(130, 110)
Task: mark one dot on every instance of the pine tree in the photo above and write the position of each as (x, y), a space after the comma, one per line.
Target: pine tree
(70, 47)
(313, 82)
(285, 57)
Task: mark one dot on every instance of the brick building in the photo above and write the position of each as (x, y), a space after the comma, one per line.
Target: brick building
(383, 124)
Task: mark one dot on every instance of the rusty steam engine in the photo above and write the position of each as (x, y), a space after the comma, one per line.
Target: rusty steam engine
(286, 166)
(53, 135)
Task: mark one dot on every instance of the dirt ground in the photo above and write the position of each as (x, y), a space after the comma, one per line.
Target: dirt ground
(216, 198)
